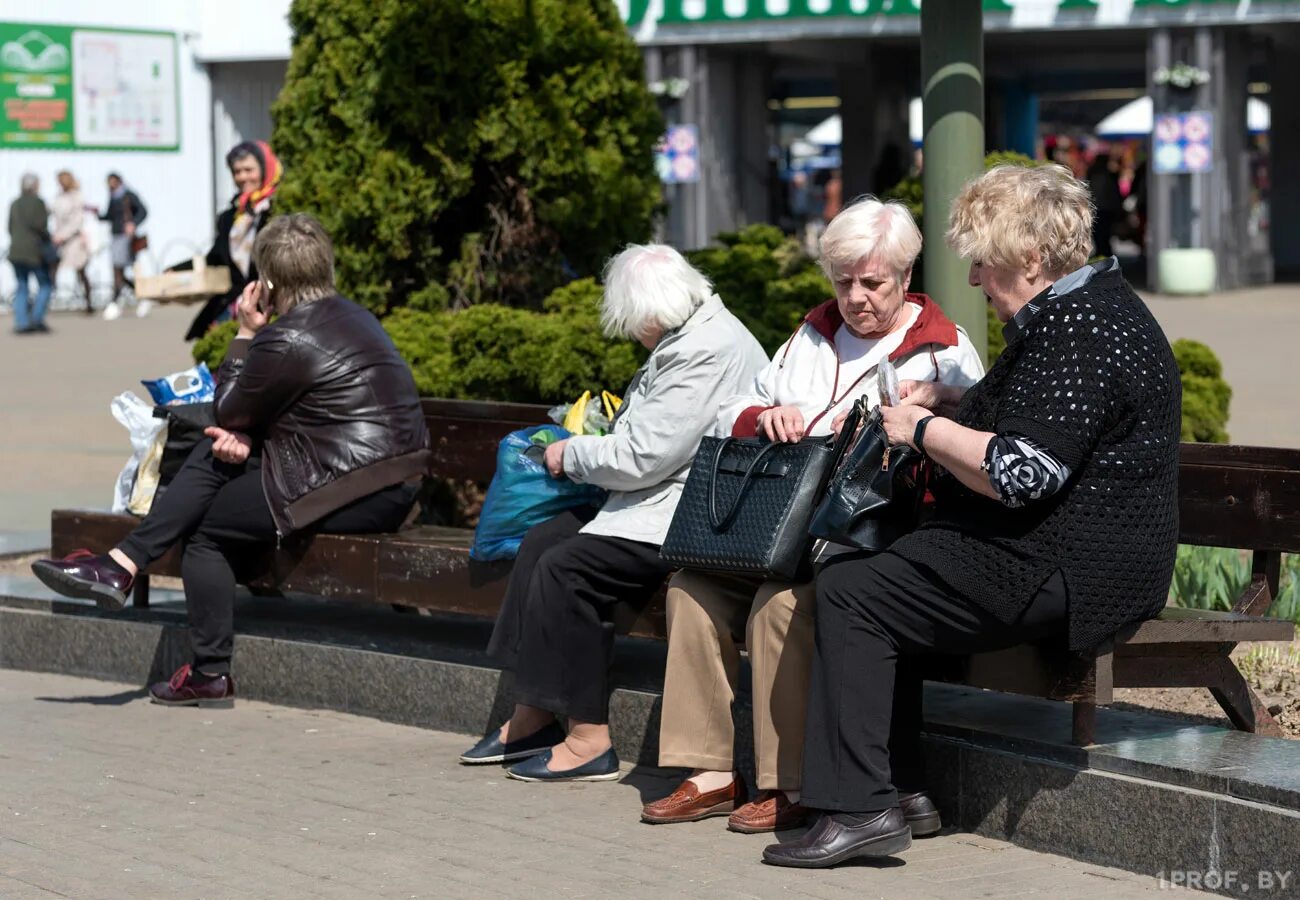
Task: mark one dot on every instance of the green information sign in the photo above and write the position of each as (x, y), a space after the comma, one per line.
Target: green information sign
(35, 86)
(76, 88)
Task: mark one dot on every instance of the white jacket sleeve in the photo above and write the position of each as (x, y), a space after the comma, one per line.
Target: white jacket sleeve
(762, 392)
(662, 434)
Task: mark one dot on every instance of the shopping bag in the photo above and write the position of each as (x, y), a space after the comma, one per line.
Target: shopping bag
(523, 494)
(137, 418)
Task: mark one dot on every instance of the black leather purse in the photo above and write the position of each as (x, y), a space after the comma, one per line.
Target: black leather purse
(875, 496)
(747, 504)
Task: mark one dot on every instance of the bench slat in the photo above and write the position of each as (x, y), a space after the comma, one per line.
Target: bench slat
(1252, 509)
(1176, 624)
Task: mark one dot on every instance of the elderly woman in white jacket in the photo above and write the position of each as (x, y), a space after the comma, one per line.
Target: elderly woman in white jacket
(555, 625)
(833, 358)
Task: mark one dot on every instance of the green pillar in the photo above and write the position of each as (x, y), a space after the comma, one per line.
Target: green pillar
(952, 78)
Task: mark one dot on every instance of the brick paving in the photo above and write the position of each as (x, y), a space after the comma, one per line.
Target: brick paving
(103, 796)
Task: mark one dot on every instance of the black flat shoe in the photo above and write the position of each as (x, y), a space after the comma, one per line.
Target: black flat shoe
(492, 750)
(921, 814)
(829, 843)
(602, 768)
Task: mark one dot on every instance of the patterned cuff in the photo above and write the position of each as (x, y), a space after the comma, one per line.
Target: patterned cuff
(1022, 471)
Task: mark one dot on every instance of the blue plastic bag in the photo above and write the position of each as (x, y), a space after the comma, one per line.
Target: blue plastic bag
(194, 385)
(523, 494)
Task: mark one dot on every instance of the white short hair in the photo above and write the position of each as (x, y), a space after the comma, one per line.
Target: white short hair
(649, 286)
(29, 182)
(869, 228)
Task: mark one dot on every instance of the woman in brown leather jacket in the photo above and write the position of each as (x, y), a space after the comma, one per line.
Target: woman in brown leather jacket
(319, 429)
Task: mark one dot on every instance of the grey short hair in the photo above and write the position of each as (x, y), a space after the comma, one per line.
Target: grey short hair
(295, 256)
(870, 228)
(30, 183)
(650, 286)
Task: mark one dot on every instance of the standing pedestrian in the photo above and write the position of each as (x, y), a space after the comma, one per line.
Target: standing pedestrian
(31, 253)
(70, 233)
(125, 213)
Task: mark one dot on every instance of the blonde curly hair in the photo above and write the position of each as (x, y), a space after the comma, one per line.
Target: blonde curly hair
(1011, 213)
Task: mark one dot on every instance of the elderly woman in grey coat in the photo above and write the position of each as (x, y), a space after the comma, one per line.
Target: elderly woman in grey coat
(555, 627)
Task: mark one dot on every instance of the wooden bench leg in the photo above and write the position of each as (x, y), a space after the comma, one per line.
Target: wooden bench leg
(1085, 724)
(1240, 702)
(140, 592)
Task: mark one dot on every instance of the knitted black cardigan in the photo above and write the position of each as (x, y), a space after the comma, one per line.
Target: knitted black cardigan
(1091, 378)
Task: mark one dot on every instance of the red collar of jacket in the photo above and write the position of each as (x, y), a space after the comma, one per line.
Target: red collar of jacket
(930, 327)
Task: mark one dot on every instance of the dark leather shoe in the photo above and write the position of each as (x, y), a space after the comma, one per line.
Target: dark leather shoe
(687, 804)
(86, 576)
(829, 843)
(492, 750)
(769, 811)
(921, 814)
(602, 768)
(190, 688)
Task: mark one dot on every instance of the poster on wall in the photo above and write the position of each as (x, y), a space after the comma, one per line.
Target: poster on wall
(77, 88)
(1183, 143)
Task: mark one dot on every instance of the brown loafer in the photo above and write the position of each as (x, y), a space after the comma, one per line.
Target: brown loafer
(769, 811)
(687, 804)
(921, 814)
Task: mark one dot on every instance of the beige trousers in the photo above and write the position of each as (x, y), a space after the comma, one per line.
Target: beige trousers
(707, 614)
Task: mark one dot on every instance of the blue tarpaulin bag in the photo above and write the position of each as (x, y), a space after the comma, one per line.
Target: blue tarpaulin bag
(523, 494)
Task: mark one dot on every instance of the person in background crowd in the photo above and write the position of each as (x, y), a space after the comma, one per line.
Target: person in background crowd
(1056, 507)
(833, 359)
(555, 628)
(256, 172)
(319, 429)
(1108, 202)
(70, 232)
(124, 214)
(31, 253)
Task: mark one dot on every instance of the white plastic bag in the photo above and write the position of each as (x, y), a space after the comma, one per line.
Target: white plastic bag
(137, 418)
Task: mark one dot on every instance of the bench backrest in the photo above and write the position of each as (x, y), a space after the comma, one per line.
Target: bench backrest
(1229, 496)
(1243, 497)
(465, 434)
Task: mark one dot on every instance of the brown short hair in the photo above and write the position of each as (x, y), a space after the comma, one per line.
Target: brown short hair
(1011, 212)
(295, 255)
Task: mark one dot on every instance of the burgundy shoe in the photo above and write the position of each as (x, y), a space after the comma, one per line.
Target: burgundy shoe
(190, 688)
(87, 576)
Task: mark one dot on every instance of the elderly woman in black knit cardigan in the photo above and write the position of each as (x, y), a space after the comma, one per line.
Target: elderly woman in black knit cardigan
(1055, 510)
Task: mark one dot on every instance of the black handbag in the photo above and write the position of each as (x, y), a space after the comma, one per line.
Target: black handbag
(185, 424)
(875, 496)
(747, 503)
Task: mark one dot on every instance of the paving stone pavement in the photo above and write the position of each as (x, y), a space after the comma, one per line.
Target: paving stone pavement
(103, 795)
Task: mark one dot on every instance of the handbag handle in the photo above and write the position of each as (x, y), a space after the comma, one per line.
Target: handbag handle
(721, 523)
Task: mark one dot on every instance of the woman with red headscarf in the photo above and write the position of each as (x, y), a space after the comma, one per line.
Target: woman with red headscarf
(256, 172)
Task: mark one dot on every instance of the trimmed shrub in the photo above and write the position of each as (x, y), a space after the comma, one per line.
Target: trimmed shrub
(765, 279)
(467, 152)
(1206, 395)
(211, 348)
(493, 352)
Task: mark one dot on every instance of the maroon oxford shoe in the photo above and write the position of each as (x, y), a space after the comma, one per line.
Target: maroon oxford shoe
(190, 688)
(87, 576)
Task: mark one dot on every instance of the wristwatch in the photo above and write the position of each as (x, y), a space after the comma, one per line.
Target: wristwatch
(918, 436)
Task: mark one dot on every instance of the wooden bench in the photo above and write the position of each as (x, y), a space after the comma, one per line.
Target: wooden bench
(1246, 498)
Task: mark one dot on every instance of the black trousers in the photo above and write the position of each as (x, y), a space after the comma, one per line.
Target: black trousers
(220, 512)
(555, 628)
(877, 618)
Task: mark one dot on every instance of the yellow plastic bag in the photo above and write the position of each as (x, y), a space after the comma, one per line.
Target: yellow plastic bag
(576, 418)
(612, 402)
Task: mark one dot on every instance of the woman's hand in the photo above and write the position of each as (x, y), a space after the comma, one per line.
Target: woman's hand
(838, 424)
(248, 310)
(554, 458)
(900, 422)
(781, 423)
(229, 446)
(930, 394)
